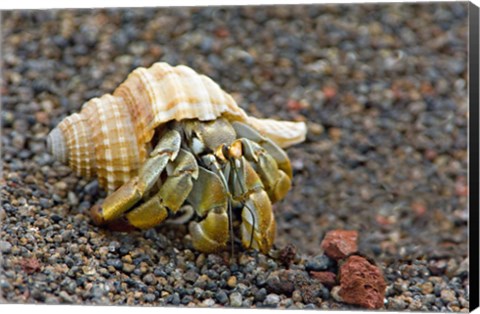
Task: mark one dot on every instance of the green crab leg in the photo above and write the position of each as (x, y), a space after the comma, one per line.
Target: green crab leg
(131, 192)
(245, 131)
(209, 198)
(257, 229)
(171, 195)
(276, 182)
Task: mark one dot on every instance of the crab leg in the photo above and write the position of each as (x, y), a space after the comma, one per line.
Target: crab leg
(269, 160)
(245, 131)
(170, 197)
(209, 198)
(131, 192)
(257, 229)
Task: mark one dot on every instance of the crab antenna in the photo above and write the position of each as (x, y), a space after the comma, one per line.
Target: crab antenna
(230, 224)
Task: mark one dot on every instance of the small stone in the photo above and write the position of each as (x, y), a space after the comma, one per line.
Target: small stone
(46, 203)
(396, 304)
(128, 268)
(319, 263)
(56, 218)
(415, 305)
(92, 188)
(448, 295)
(427, 287)
(260, 295)
(232, 281)
(116, 263)
(127, 259)
(362, 283)
(221, 297)
(281, 282)
(297, 296)
(208, 302)
(339, 244)
(60, 185)
(72, 198)
(200, 260)
(463, 269)
(30, 265)
(452, 267)
(335, 293)
(310, 292)
(327, 278)
(149, 297)
(187, 299)
(113, 246)
(65, 297)
(190, 276)
(5, 247)
(150, 279)
(175, 299)
(287, 255)
(52, 300)
(437, 267)
(272, 300)
(67, 235)
(235, 299)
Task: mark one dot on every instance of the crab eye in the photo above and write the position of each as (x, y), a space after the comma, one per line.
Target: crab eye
(225, 150)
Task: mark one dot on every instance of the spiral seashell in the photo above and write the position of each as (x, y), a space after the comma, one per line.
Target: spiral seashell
(110, 137)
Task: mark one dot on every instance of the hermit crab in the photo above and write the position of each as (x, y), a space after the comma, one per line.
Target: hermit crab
(170, 143)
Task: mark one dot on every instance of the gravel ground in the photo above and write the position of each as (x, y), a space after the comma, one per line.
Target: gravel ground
(383, 89)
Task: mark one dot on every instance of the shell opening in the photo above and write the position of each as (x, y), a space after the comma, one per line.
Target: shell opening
(57, 146)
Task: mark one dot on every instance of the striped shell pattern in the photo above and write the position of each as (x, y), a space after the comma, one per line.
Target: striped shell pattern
(110, 138)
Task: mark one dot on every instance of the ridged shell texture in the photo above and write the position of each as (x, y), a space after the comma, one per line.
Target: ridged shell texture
(110, 137)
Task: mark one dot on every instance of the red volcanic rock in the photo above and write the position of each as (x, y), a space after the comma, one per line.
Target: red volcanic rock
(338, 244)
(30, 265)
(327, 278)
(362, 283)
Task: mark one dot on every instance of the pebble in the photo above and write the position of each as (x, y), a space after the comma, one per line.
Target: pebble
(128, 268)
(236, 299)
(150, 279)
(72, 198)
(232, 281)
(272, 300)
(92, 188)
(335, 293)
(117, 263)
(65, 297)
(281, 282)
(297, 296)
(208, 302)
(319, 263)
(149, 297)
(396, 304)
(427, 287)
(328, 279)
(221, 297)
(5, 247)
(260, 295)
(448, 295)
(339, 244)
(190, 276)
